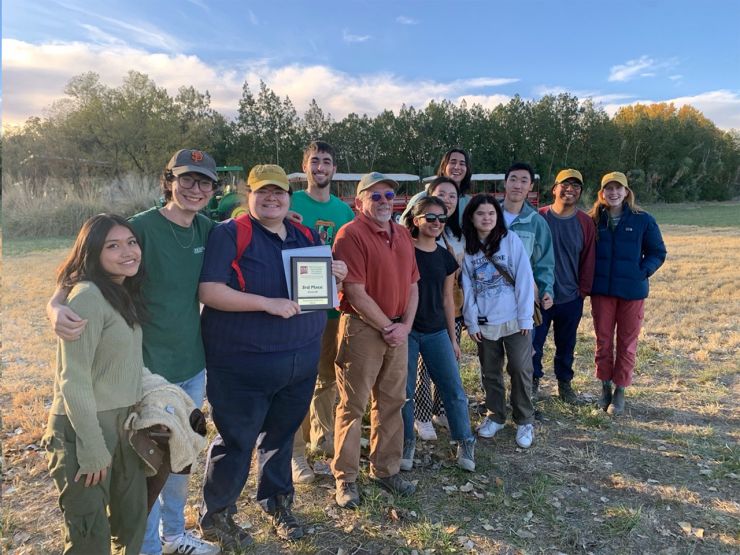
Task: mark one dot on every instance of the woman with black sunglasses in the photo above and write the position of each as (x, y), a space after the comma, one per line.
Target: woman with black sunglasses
(433, 333)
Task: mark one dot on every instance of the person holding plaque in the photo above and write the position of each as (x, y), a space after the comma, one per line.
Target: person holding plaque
(262, 353)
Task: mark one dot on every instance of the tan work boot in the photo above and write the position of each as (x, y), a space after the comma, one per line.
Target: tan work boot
(347, 495)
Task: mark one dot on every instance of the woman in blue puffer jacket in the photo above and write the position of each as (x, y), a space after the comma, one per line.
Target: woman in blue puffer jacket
(629, 249)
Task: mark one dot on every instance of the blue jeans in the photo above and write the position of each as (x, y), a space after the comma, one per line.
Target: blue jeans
(170, 507)
(257, 401)
(564, 319)
(439, 358)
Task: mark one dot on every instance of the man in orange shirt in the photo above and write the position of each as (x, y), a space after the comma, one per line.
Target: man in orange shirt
(378, 305)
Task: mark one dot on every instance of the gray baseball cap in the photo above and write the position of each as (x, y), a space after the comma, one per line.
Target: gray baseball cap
(370, 179)
(190, 160)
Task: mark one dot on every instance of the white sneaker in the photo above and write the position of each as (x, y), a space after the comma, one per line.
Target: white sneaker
(488, 428)
(425, 430)
(302, 471)
(190, 545)
(525, 435)
(441, 421)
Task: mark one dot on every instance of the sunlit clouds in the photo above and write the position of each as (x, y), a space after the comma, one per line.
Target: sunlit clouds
(34, 76)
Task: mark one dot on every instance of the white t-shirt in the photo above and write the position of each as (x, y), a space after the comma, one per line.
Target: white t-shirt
(508, 218)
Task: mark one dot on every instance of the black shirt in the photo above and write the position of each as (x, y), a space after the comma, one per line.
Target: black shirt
(434, 267)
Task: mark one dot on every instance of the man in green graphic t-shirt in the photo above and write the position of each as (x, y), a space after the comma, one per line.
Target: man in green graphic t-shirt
(325, 213)
(173, 242)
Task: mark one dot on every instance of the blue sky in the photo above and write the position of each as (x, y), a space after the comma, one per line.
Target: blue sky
(364, 56)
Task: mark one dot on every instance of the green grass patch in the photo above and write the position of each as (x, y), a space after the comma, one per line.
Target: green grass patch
(621, 520)
(703, 214)
(429, 535)
(729, 461)
(629, 438)
(21, 246)
(587, 415)
(470, 376)
(716, 374)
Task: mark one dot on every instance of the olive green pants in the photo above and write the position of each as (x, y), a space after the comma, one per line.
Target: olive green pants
(109, 517)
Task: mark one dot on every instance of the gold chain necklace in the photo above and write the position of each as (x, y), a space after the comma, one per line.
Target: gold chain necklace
(192, 235)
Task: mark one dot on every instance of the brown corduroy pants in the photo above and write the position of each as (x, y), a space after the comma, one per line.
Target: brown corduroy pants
(368, 369)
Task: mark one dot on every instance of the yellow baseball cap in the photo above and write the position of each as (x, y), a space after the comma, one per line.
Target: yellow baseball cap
(569, 174)
(267, 174)
(619, 177)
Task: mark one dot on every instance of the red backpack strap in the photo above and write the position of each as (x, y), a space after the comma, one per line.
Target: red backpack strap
(305, 230)
(243, 238)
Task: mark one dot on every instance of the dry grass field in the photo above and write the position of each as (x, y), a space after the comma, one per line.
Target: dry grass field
(665, 478)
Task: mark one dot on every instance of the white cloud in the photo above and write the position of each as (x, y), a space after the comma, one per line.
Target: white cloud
(35, 76)
(201, 4)
(405, 20)
(253, 18)
(99, 36)
(644, 66)
(582, 94)
(631, 69)
(349, 37)
(480, 82)
(721, 106)
(137, 31)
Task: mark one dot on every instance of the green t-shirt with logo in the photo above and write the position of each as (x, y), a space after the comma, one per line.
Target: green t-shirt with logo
(324, 217)
(172, 257)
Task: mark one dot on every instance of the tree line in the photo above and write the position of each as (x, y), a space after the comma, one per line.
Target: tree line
(97, 133)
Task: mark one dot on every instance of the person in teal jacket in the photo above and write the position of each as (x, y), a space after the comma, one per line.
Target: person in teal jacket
(532, 229)
(629, 249)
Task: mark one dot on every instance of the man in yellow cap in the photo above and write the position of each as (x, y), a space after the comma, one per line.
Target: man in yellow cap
(573, 239)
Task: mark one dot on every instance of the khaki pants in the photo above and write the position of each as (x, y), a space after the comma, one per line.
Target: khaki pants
(110, 516)
(367, 368)
(318, 426)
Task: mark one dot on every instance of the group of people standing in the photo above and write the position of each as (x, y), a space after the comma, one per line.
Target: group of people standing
(281, 380)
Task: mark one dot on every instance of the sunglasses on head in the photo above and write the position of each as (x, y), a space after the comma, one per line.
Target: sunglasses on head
(431, 218)
(389, 195)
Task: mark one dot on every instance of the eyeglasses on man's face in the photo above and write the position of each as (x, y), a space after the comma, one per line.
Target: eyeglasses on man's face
(388, 195)
(188, 182)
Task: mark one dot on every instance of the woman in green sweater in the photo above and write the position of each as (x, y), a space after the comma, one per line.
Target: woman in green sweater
(101, 482)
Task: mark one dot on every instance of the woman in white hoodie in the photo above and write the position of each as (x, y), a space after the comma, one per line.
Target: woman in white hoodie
(498, 288)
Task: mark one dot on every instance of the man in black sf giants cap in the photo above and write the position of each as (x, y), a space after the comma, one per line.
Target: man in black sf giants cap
(173, 240)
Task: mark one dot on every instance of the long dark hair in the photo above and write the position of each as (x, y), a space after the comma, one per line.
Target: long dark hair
(83, 264)
(420, 208)
(472, 243)
(465, 183)
(453, 222)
